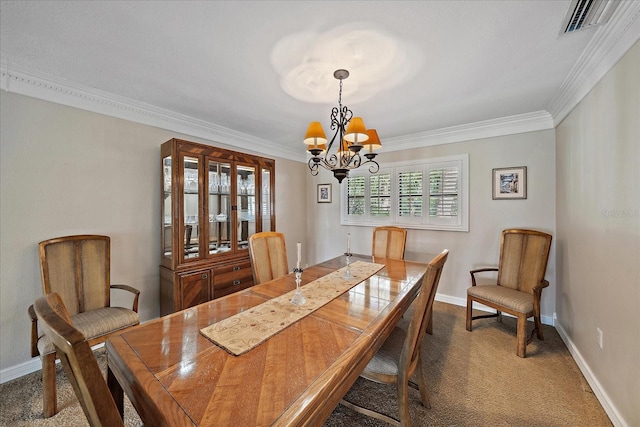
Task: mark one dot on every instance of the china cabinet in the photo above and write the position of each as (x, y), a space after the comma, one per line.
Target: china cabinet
(212, 201)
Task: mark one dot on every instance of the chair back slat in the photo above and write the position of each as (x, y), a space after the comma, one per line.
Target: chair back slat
(78, 361)
(77, 268)
(422, 313)
(268, 254)
(523, 258)
(389, 242)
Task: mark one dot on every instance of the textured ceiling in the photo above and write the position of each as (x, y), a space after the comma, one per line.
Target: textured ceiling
(257, 67)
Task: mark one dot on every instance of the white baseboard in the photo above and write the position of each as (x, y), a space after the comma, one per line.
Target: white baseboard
(601, 395)
(17, 371)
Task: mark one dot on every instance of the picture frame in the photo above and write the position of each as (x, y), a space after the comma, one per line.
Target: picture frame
(324, 193)
(510, 183)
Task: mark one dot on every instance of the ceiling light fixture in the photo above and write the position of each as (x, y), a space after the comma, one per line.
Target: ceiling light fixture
(350, 137)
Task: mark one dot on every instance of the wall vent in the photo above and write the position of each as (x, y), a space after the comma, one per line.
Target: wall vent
(587, 13)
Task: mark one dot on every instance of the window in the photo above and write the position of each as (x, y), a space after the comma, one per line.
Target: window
(432, 194)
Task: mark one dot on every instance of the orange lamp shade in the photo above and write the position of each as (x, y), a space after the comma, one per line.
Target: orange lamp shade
(356, 131)
(315, 134)
(373, 142)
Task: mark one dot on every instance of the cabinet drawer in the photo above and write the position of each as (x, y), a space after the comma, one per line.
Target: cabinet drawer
(232, 278)
(194, 288)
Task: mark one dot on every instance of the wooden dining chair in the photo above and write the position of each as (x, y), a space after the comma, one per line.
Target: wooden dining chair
(399, 357)
(268, 254)
(78, 361)
(389, 242)
(518, 289)
(78, 269)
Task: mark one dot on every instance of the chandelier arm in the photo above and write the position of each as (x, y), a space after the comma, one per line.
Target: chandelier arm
(327, 163)
(335, 111)
(374, 168)
(356, 160)
(332, 161)
(347, 114)
(350, 160)
(333, 124)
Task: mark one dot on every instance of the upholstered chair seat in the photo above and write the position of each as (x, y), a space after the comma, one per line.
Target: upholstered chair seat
(94, 324)
(505, 297)
(387, 360)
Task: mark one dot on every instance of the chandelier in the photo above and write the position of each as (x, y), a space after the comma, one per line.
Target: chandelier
(350, 138)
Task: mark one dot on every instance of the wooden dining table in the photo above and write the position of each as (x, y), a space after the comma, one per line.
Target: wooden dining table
(175, 376)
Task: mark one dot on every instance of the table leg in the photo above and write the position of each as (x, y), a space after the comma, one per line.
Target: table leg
(116, 391)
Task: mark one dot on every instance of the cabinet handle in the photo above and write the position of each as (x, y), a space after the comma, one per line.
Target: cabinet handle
(236, 267)
(236, 282)
(204, 275)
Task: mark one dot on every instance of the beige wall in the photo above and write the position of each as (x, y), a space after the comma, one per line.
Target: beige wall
(68, 171)
(488, 217)
(598, 243)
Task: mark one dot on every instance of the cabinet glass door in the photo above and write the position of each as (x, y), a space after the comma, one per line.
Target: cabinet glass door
(167, 217)
(246, 193)
(265, 200)
(191, 198)
(219, 207)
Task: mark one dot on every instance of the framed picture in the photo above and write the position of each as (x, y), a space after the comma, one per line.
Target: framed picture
(510, 183)
(324, 193)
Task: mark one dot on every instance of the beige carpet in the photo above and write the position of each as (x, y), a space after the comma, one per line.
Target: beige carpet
(475, 379)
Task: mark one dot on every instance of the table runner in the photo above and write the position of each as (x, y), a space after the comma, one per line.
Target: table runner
(245, 330)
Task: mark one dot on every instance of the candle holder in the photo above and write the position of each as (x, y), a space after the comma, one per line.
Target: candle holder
(298, 298)
(347, 273)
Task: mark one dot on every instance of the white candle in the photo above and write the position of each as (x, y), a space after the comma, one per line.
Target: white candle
(299, 254)
(348, 243)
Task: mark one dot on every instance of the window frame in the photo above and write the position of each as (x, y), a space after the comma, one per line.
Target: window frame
(459, 222)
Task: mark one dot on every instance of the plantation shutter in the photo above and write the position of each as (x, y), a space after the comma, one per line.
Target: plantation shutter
(410, 194)
(380, 195)
(355, 195)
(443, 192)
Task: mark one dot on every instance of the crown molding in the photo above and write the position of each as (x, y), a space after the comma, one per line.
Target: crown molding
(605, 49)
(40, 85)
(521, 123)
(36, 84)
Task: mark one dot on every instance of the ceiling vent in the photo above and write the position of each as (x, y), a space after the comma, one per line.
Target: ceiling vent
(587, 13)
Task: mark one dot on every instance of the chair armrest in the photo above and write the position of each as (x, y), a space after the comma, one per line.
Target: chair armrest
(537, 295)
(537, 290)
(479, 270)
(34, 331)
(132, 290)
